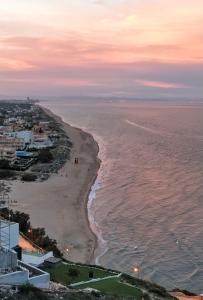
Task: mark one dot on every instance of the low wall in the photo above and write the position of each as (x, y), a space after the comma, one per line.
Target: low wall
(15, 278)
(26, 274)
(41, 281)
(33, 259)
(39, 278)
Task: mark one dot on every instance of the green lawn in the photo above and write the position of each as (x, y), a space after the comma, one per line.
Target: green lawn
(114, 287)
(60, 273)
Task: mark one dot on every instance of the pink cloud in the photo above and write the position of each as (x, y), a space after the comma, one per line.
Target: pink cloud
(51, 45)
(41, 52)
(12, 64)
(159, 84)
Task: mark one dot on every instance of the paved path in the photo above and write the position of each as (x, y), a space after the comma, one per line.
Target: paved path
(95, 280)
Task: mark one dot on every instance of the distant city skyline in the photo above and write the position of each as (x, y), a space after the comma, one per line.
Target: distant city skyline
(119, 48)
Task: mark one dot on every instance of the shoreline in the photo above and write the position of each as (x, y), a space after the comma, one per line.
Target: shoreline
(72, 228)
(64, 124)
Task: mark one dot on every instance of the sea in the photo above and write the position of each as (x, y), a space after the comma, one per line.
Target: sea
(146, 206)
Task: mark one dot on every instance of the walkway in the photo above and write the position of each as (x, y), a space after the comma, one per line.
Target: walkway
(95, 280)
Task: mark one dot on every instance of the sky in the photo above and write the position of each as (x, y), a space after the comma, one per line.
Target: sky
(121, 48)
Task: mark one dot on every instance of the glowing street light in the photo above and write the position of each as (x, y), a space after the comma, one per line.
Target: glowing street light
(136, 269)
(67, 249)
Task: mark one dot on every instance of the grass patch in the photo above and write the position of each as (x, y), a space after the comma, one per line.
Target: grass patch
(64, 273)
(113, 286)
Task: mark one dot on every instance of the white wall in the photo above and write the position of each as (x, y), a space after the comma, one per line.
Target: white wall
(41, 281)
(5, 231)
(22, 273)
(14, 278)
(8, 259)
(22, 277)
(35, 260)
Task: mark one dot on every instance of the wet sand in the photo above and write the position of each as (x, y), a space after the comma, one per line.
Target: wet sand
(60, 203)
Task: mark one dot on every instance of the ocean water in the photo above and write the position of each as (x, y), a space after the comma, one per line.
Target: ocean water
(147, 203)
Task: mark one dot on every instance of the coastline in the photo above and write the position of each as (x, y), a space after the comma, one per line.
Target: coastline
(72, 186)
(92, 181)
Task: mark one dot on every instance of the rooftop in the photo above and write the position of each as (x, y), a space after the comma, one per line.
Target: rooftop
(53, 260)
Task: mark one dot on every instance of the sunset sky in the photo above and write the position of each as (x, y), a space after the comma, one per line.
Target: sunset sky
(135, 48)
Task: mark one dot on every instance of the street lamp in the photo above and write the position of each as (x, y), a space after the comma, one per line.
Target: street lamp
(136, 270)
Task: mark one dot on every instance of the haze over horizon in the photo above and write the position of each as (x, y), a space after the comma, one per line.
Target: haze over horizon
(148, 48)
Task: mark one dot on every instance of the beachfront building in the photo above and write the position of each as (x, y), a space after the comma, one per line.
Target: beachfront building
(31, 253)
(11, 120)
(41, 141)
(11, 238)
(41, 127)
(26, 136)
(24, 154)
(5, 129)
(11, 142)
(7, 154)
(9, 234)
(13, 270)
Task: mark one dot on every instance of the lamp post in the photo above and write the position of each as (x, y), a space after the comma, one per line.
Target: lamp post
(136, 270)
(30, 235)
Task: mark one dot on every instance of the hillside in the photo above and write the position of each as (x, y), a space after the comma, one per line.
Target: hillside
(123, 290)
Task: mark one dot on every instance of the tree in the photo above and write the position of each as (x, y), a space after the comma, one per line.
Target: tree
(4, 164)
(36, 235)
(28, 177)
(19, 217)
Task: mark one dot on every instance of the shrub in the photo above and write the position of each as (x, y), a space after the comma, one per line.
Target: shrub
(149, 286)
(18, 217)
(28, 177)
(158, 291)
(6, 174)
(96, 294)
(32, 292)
(146, 296)
(73, 272)
(45, 156)
(4, 164)
(26, 288)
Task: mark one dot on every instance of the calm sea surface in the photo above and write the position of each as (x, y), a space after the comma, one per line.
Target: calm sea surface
(148, 209)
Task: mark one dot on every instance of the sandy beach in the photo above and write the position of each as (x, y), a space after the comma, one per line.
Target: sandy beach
(60, 203)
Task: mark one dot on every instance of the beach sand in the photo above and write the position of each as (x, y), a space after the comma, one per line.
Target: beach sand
(60, 203)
